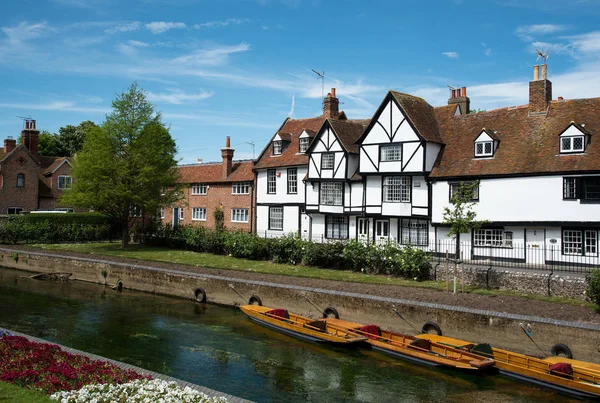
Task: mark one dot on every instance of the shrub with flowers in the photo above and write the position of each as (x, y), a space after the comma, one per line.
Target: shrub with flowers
(138, 391)
(48, 369)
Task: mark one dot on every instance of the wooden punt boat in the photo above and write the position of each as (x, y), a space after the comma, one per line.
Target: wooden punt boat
(413, 349)
(583, 381)
(300, 326)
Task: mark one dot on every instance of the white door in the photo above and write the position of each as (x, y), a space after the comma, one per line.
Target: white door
(305, 225)
(534, 246)
(382, 230)
(363, 228)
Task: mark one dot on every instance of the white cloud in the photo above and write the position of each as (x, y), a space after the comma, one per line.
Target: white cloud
(221, 23)
(124, 27)
(291, 112)
(25, 32)
(158, 27)
(138, 44)
(528, 32)
(451, 55)
(211, 57)
(178, 97)
(65, 106)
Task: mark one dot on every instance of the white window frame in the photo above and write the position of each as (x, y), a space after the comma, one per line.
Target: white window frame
(240, 188)
(277, 147)
(271, 181)
(162, 212)
(396, 189)
(239, 215)
(571, 142)
(67, 184)
(570, 188)
(303, 144)
(276, 217)
(198, 213)
(327, 160)
(16, 210)
(332, 194)
(484, 152)
(292, 181)
(492, 237)
(181, 214)
(199, 189)
(382, 229)
(391, 152)
(414, 232)
(580, 242)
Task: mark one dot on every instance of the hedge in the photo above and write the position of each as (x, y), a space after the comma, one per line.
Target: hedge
(386, 258)
(51, 229)
(68, 218)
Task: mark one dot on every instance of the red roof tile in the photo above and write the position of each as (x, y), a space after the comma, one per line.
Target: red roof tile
(289, 156)
(212, 172)
(349, 131)
(527, 144)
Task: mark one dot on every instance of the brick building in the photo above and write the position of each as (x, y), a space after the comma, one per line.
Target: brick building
(228, 185)
(28, 180)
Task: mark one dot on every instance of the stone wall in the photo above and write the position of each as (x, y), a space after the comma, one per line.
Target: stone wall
(500, 329)
(525, 281)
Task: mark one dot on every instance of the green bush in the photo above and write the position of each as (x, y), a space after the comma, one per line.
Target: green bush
(22, 230)
(593, 287)
(325, 255)
(288, 249)
(68, 218)
(244, 245)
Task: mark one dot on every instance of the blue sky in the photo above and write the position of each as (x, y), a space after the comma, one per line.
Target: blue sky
(238, 68)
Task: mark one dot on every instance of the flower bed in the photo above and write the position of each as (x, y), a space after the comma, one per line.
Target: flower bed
(47, 368)
(143, 390)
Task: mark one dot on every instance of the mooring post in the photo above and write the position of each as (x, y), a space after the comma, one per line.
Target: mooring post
(447, 278)
(462, 272)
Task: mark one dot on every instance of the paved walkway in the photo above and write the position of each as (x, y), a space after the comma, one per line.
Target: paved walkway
(207, 391)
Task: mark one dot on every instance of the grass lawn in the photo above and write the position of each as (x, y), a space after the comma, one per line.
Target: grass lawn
(144, 252)
(16, 394)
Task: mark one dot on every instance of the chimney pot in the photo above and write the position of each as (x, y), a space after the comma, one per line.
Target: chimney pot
(9, 144)
(560, 98)
(453, 94)
(544, 71)
(536, 72)
(227, 155)
(227, 142)
(331, 105)
(464, 91)
(333, 92)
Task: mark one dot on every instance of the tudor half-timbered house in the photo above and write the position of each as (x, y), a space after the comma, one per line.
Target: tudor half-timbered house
(280, 172)
(397, 151)
(538, 167)
(334, 189)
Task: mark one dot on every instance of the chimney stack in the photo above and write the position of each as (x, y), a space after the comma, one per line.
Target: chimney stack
(227, 154)
(540, 90)
(9, 144)
(331, 108)
(30, 136)
(458, 96)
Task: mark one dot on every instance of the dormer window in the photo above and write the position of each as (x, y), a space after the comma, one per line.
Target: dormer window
(572, 144)
(277, 147)
(484, 149)
(304, 143)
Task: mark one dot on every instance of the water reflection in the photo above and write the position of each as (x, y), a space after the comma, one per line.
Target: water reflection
(220, 348)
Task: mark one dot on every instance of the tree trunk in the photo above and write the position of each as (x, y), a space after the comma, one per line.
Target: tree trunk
(125, 235)
(458, 246)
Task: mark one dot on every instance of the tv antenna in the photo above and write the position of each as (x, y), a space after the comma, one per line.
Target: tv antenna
(25, 119)
(542, 55)
(252, 144)
(322, 78)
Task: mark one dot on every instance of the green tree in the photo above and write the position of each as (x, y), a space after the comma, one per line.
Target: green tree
(47, 144)
(70, 139)
(127, 163)
(460, 216)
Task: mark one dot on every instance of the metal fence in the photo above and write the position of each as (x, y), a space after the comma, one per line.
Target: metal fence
(545, 257)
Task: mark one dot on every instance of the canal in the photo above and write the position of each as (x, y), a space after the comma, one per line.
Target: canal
(218, 347)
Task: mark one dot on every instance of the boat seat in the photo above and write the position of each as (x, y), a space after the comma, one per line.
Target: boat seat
(279, 313)
(318, 324)
(562, 369)
(421, 343)
(371, 331)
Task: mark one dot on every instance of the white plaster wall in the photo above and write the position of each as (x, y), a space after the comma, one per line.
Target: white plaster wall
(356, 198)
(396, 209)
(536, 198)
(312, 193)
(365, 164)
(433, 149)
(290, 221)
(318, 227)
(412, 157)
(373, 190)
(420, 194)
(281, 197)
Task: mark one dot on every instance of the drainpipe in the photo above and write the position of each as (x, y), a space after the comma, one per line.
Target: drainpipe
(551, 270)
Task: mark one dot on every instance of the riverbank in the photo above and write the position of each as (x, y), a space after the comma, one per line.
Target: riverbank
(494, 319)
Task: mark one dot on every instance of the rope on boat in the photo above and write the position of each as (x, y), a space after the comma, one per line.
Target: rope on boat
(237, 292)
(528, 333)
(310, 302)
(402, 317)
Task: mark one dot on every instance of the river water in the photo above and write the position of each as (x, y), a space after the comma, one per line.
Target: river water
(220, 348)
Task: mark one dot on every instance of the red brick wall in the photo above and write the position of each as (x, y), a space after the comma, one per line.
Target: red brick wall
(216, 195)
(11, 196)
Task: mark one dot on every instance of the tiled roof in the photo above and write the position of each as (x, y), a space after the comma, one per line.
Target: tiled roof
(241, 171)
(289, 156)
(348, 131)
(51, 163)
(421, 114)
(527, 144)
